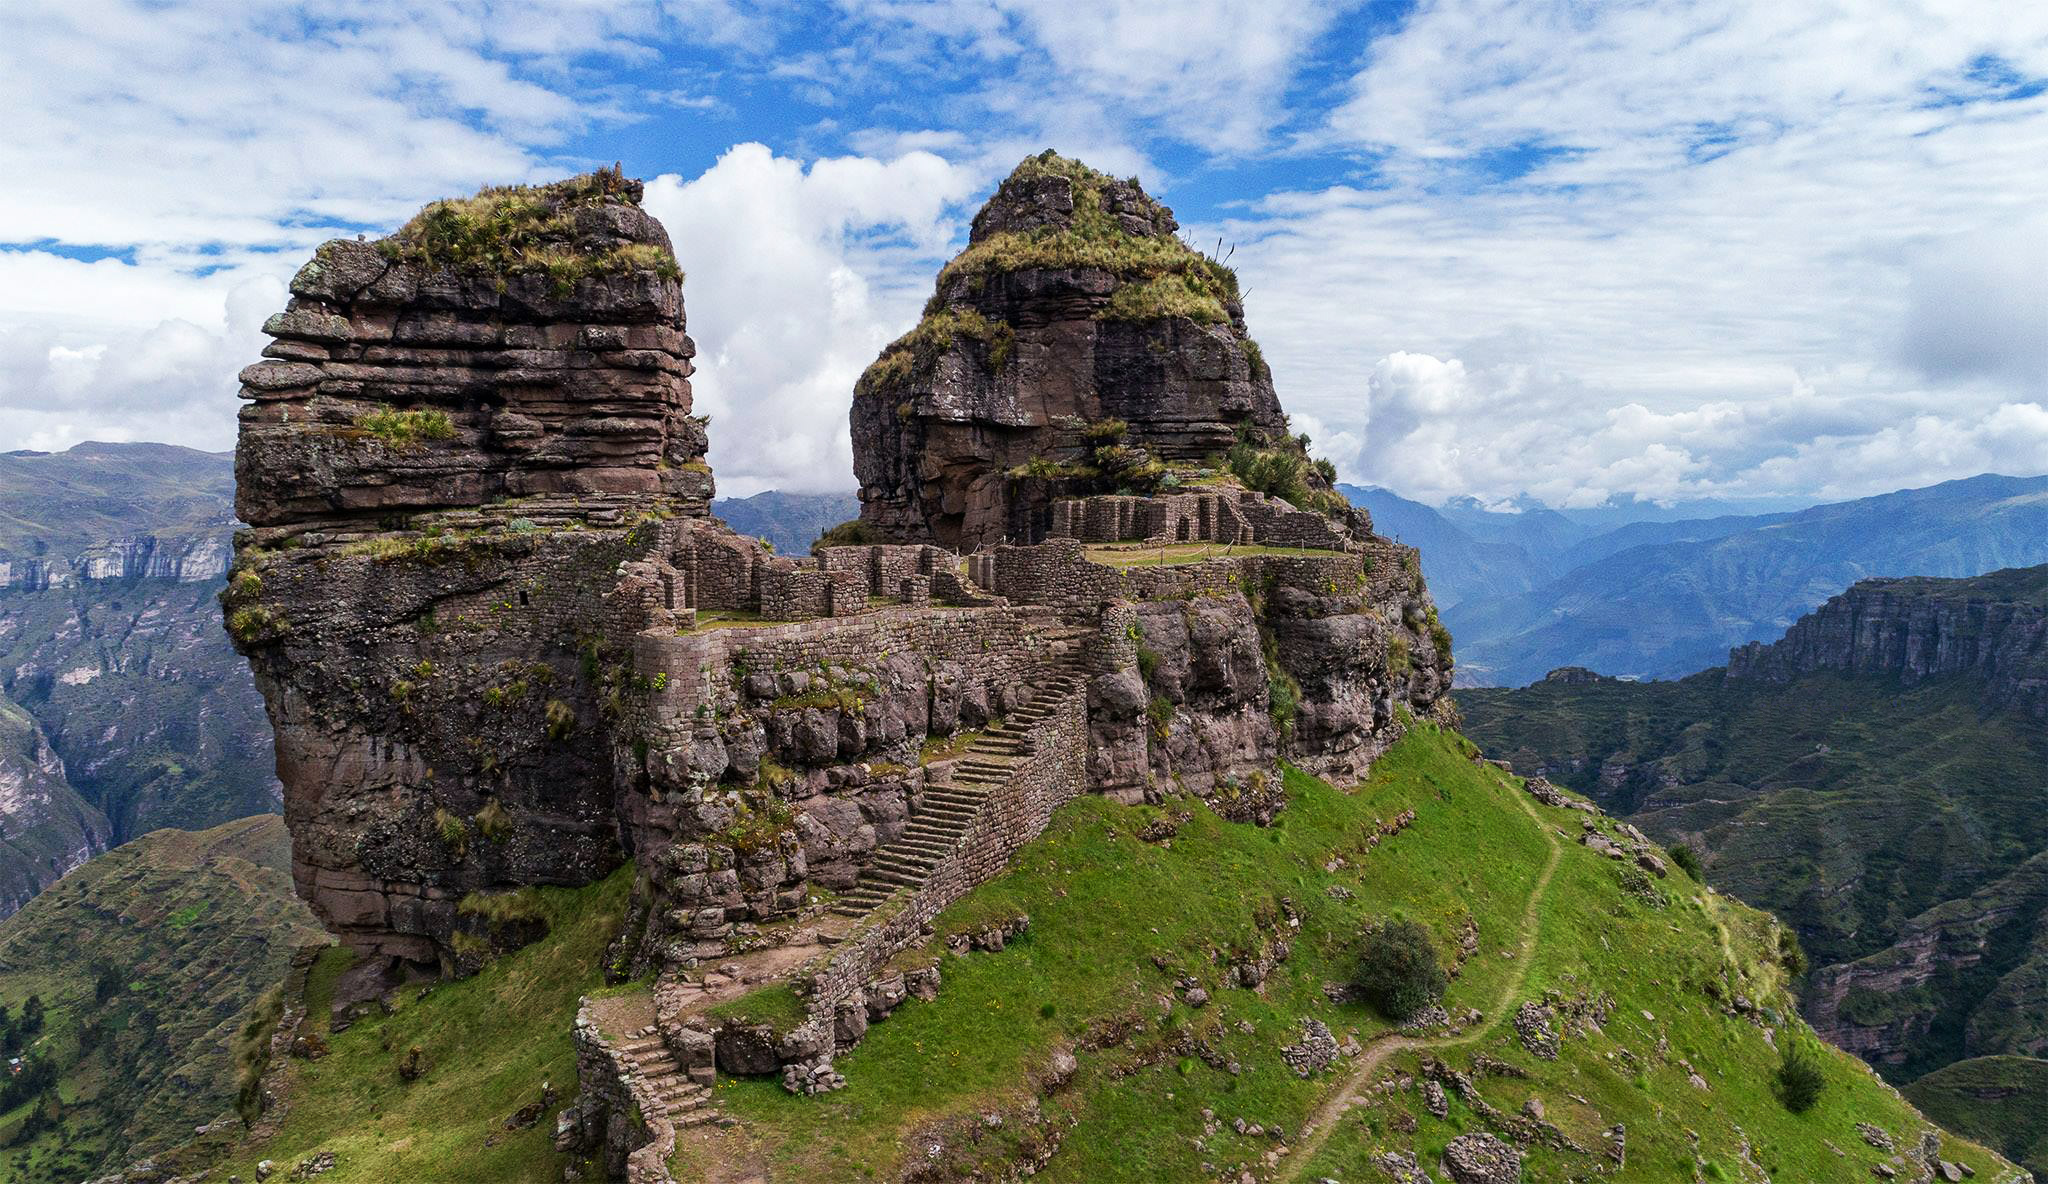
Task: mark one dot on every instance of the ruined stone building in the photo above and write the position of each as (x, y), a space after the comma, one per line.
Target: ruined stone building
(504, 643)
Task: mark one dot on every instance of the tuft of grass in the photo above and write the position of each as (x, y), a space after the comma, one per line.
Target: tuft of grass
(406, 429)
(510, 229)
(504, 908)
(931, 338)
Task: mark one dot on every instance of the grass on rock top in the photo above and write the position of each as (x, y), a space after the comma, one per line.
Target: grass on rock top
(1116, 921)
(505, 229)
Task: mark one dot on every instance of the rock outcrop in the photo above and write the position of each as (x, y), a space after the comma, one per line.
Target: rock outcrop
(519, 343)
(1077, 345)
(503, 644)
(1992, 629)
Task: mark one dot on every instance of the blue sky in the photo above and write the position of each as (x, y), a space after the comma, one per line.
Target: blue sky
(1674, 251)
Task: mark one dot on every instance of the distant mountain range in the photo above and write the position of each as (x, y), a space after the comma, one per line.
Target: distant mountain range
(1526, 591)
(1876, 778)
(122, 706)
(790, 521)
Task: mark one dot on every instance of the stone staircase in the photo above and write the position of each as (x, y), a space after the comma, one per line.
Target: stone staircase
(685, 1102)
(950, 807)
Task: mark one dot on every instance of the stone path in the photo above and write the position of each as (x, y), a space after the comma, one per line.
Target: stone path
(950, 807)
(1327, 1116)
(683, 1101)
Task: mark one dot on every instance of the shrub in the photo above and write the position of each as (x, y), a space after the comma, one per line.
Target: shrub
(1800, 1080)
(454, 835)
(1398, 971)
(847, 534)
(1791, 955)
(1688, 861)
(403, 429)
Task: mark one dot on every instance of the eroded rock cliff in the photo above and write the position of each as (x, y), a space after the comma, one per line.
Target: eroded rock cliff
(503, 644)
(1077, 345)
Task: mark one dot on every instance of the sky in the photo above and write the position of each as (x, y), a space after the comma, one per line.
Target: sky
(1579, 252)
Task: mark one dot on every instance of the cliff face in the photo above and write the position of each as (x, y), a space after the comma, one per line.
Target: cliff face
(462, 431)
(1874, 778)
(1992, 629)
(1073, 306)
(502, 643)
(128, 709)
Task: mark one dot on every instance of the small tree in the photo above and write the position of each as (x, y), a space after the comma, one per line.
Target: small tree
(1398, 970)
(1800, 1080)
(1688, 861)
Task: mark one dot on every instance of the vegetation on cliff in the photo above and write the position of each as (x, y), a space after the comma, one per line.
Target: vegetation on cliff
(145, 962)
(508, 229)
(1135, 909)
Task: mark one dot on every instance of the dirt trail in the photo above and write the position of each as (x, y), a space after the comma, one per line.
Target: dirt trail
(1327, 1116)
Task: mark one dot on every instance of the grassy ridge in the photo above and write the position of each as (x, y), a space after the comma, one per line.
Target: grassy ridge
(490, 1042)
(1996, 1100)
(1116, 921)
(145, 958)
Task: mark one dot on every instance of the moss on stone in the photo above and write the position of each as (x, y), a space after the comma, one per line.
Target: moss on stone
(510, 229)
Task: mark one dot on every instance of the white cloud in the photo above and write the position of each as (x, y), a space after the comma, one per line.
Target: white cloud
(796, 279)
(1752, 241)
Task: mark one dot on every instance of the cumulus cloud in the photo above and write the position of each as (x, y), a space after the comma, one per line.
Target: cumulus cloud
(797, 276)
(1671, 250)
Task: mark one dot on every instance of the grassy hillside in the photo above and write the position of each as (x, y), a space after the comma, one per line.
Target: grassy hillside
(1998, 1101)
(1121, 923)
(59, 503)
(1129, 907)
(143, 962)
(1863, 813)
(490, 1044)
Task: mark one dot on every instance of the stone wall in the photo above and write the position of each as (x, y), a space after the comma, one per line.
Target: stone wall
(1056, 773)
(616, 1117)
(1237, 517)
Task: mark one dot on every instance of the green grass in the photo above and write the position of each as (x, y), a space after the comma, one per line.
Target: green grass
(524, 228)
(777, 1005)
(1175, 554)
(406, 429)
(491, 1041)
(1103, 906)
(1115, 921)
(1996, 1100)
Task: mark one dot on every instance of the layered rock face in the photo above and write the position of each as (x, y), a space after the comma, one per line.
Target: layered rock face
(1073, 306)
(518, 343)
(460, 434)
(1991, 628)
(502, 644)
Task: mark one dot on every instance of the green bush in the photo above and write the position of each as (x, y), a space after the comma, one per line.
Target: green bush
(1688, 861)
(1398, 970)
(404, 429)
(1800, 1079)
(854, 533)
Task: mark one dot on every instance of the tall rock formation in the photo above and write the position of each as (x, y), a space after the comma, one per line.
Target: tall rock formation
(459, 433)
(1075, 311)
(502, 643)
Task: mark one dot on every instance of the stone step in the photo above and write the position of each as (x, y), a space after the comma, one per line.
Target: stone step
(885, 876)
(947, 797)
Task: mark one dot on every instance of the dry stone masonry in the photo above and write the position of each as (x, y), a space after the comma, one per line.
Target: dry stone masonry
(503, 644)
